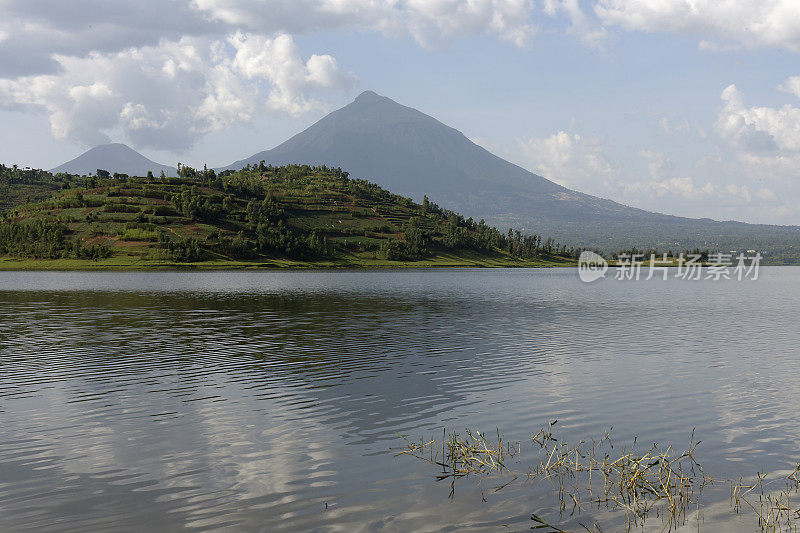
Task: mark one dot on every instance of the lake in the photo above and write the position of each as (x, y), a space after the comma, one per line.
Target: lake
(274, 400)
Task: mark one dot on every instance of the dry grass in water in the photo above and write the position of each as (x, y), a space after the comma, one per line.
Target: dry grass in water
(640, 481)
(772, 505)
(460, 456)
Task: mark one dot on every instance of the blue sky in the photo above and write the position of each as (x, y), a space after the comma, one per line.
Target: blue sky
(622, 99)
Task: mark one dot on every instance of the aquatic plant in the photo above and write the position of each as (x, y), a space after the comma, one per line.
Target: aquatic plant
(639, 481)
(774, 508)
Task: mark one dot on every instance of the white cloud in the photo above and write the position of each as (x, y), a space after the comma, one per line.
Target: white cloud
(766, 194)
(507, 19)
(767, 138)
(752, 23)
(709, 46)
(278, 60)
(427, 21)
(569, 159)
(583, 163)
(740, 191)
(588, 30)
(47, 27)
(791, 85)
(683, 187)
(659, 165)
(681, 126)
(663, 182)
(38, 31)
(70, 28)
(164, 74)
(167, 96)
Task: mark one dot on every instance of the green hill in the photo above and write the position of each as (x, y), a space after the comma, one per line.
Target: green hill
(288, 216)
(21, 186)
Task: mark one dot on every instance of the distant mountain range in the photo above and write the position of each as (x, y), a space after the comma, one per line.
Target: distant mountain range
(114, 157)
(413, 154)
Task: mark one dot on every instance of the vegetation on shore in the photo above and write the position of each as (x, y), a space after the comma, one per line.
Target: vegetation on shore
(294, 216)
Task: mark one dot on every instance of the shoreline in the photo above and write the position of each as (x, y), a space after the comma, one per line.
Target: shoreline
(8, 264)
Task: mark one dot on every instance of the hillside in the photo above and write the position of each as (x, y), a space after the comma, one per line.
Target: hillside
(113, 158)
(413, 154)
(21, 186)
(264, 216)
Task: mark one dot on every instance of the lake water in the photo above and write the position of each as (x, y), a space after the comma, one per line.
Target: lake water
(273, 400)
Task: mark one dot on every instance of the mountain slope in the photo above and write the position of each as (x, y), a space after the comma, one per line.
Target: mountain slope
(414, 154)
(399, 147)
(114, 157)
(270, 216)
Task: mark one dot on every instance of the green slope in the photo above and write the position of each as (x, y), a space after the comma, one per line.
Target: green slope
(20, 186)
(290, 216)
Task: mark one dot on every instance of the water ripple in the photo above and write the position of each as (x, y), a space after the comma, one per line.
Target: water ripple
(249, 401)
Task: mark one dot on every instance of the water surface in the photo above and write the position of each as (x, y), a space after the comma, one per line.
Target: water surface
(273, 400)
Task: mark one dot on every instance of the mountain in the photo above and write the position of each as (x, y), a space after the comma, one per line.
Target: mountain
(413, 154)
(114, 157)
(402, 149)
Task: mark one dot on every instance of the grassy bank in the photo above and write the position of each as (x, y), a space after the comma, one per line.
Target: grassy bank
(123, 263)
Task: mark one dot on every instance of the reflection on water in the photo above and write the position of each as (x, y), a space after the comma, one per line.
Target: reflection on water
(270, 400)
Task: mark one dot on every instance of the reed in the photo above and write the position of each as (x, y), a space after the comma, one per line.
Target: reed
(462, 455)
(770, 498)
(641, 481)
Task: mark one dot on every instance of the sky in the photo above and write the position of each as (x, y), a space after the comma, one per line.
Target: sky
(688, 107)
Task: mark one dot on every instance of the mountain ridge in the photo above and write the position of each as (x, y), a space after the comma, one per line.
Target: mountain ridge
(113, 157)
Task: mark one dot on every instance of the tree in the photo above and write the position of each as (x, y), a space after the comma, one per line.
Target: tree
(227, 204)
